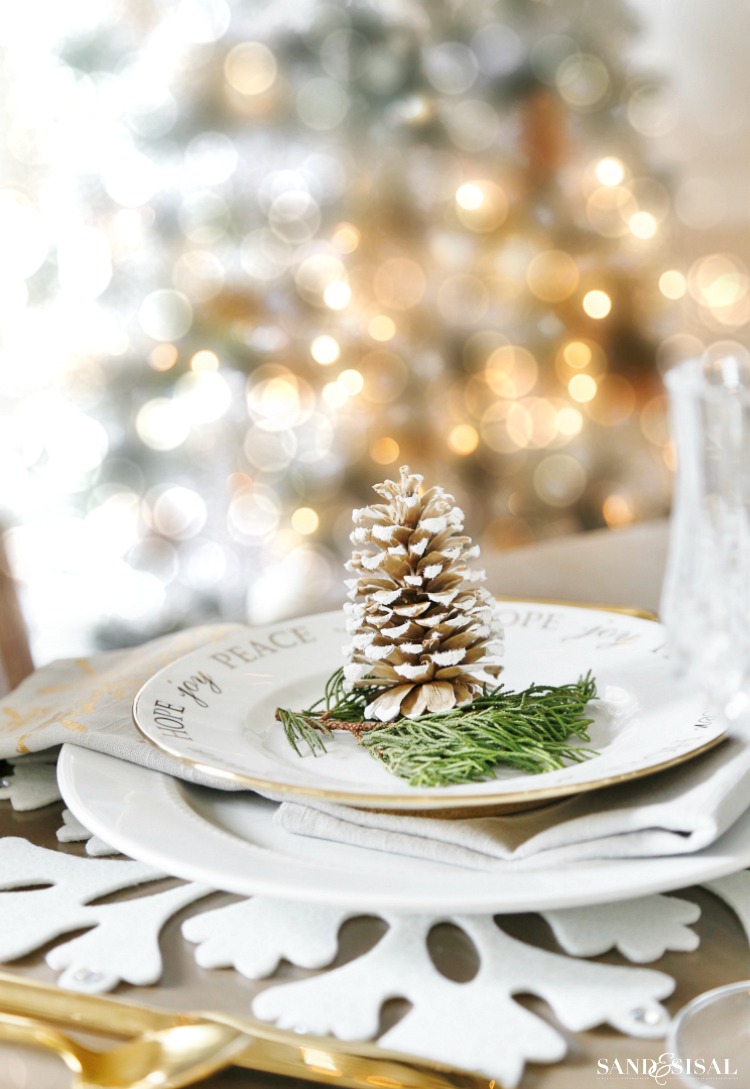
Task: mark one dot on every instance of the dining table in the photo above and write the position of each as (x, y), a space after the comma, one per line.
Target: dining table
(621, 567)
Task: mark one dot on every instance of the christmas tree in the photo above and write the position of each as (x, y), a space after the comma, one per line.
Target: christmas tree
(298, 244)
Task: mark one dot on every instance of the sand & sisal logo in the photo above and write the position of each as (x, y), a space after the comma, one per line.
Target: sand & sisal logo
(668, 1066)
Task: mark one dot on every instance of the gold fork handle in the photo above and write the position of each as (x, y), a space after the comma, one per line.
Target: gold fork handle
(94, 1013)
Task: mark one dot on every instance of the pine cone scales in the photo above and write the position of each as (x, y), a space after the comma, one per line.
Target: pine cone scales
(420, 623)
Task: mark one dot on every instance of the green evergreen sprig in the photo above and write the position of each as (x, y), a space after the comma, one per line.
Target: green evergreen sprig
(528, 730)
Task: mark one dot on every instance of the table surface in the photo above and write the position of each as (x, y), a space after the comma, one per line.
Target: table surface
(623, 567)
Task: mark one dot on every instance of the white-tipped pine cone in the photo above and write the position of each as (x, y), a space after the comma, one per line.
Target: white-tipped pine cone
(422, 627)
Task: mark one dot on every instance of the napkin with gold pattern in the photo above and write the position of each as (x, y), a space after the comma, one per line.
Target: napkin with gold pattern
(88, 701)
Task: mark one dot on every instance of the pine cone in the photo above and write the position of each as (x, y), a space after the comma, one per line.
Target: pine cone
(421, 627)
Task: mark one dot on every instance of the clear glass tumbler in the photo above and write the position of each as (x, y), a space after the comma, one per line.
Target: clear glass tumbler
(706, 610)
(706, 598)
(709, 1040)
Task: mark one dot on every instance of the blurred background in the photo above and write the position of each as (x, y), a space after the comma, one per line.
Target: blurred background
(254, 256)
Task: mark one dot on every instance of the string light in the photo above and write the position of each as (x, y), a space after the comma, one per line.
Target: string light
(325, 349)
(511, 371)
(672, 284)
(463, 439)
(352, 381)
(337, 295)
(469, 196)
(569, 421)
(577, 354)
(381, 327)
(582, 388)
(583, 80)
(559, 480)
(552, 276)
(305, 520)
(250, 68)
(617, 510)
(597, 304)
(163, 357)
(481, 205)
(610, 171)
(335, 394)
(162, 424)
(643, 225)
(346, 238)
(204, 360)
(166, 314)
(385, 450)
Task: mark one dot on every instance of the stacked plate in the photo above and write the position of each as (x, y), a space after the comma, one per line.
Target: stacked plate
(215, 711)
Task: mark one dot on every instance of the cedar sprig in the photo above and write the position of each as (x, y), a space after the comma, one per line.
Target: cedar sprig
(528, 730)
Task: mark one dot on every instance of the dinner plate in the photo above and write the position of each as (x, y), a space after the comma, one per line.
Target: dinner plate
(228, 840)
(214, 709)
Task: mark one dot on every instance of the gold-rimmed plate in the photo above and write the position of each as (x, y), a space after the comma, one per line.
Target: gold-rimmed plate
(214, 709)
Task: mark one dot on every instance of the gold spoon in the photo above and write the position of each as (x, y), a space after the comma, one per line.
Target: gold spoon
(168, 1058)
(259, 1046)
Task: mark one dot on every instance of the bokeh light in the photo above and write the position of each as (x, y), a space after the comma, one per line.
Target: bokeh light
(381, 327)
(346, 237)
(597, 303)
(325, 349)
(337, 295)
(177, 512)
(583, 80)
(617, 509)
(559, 480)
(481, 205)
(511, 371)
(352, 381)
(250, 68)
(305, 520)
(254, 513)
(720, 285)
(552, 276)
(463, 439)
(166, 315)
(643, 225)
(385, 450)
(277, 399)
(610, 171)
(162, 424)
(672, 284)
(204, 395)
(582, 388)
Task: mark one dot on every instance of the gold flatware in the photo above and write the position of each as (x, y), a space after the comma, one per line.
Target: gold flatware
(261, 1047)
(169, 1058)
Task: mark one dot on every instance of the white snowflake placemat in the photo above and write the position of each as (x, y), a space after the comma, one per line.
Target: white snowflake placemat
(46, 895)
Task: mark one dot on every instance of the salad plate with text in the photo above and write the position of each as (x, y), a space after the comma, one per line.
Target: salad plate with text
(215, 709)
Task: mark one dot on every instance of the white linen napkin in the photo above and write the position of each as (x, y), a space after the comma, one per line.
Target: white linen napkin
(674, 812)
(88, 701)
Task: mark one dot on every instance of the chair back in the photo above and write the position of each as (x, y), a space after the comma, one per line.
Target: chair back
(15, 653)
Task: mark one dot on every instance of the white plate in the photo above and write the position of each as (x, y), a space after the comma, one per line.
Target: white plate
(214, 709)
(228, 840)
